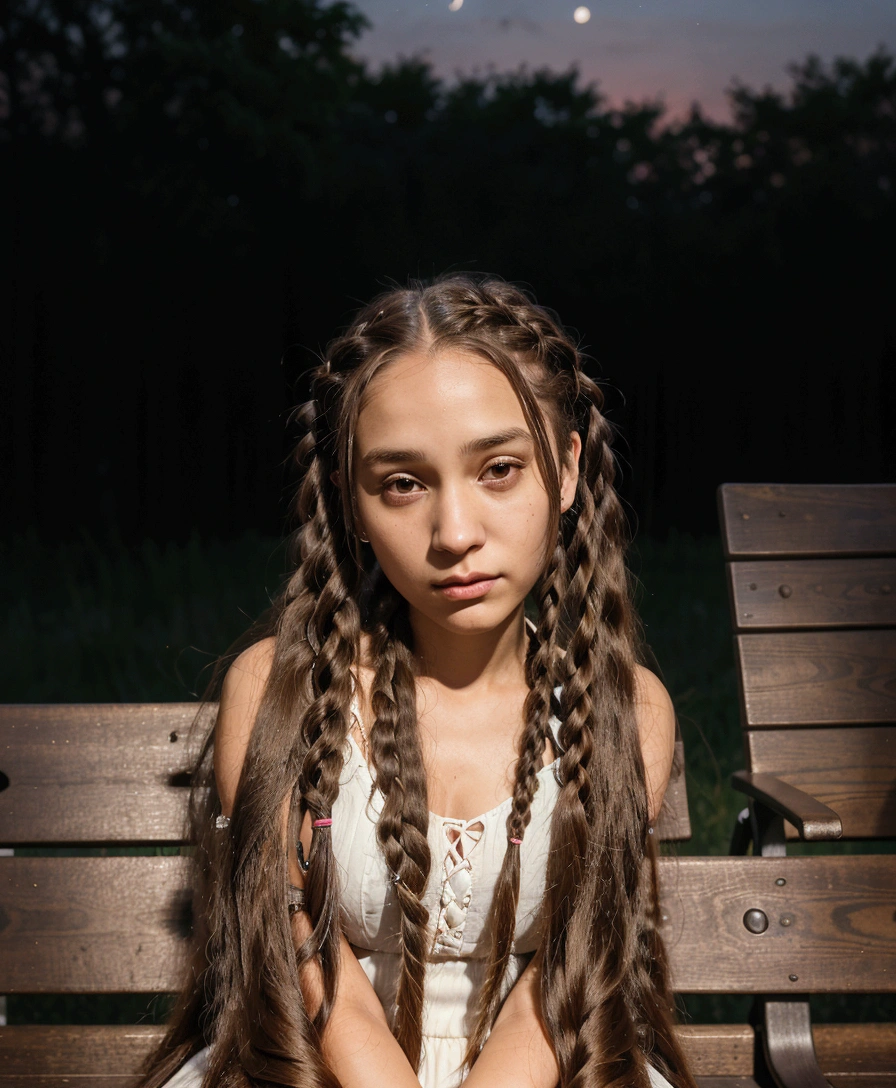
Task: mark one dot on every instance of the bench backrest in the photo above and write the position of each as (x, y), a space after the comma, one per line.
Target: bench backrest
(118, 776)
(812, 583)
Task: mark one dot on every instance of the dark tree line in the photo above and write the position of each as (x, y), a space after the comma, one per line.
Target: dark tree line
(194, 192)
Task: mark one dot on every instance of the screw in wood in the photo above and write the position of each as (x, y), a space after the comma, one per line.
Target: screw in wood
(794, 978)
(780, 881)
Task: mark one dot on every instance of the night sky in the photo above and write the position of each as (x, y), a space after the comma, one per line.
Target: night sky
(681, 50)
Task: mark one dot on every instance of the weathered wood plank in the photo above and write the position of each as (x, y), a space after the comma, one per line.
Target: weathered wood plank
(43, 1054)
(807, 519)
(93, 925)
(96, 773)
(88, 1080)
(859, 1052)
(31, 1054)
(718, 1050)
(116, 925)
(831, 924)
(853, 770)
(117, 774)
(817, 678)
(82, 1050)
(814, 593)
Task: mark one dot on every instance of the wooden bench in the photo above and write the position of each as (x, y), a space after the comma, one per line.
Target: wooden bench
(812, 584)
(117, 775)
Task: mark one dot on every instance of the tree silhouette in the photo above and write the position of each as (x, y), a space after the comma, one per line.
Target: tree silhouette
(196, 189)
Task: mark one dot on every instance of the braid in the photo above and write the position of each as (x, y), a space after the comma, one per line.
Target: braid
(295, 750)
(587, 998)
(325, 589)
(541, 671)
(404, 821)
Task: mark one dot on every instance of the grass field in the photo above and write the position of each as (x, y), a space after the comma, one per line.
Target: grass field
(93, 622)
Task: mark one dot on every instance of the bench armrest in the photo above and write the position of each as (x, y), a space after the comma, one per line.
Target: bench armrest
(788, 1044)
(814, 820)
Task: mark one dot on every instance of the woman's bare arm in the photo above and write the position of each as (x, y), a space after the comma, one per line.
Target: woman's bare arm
(518, 1052)
(656, 724)
(357, 1043)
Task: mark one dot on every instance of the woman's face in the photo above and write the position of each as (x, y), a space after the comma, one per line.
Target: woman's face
(448, 491)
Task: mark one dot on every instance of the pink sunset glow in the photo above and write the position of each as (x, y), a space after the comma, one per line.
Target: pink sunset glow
(678, 50)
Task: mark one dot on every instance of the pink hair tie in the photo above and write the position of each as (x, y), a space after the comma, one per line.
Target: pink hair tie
(517, 842)
(322, 823)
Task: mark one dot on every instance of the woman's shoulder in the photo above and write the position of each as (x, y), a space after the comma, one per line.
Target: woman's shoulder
(245, 681)
(650, 692)
(241, 695)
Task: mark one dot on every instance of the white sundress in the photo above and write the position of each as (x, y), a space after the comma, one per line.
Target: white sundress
(466, 861)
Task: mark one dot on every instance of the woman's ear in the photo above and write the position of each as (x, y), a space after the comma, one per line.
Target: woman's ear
(336, 478)
(569, 472)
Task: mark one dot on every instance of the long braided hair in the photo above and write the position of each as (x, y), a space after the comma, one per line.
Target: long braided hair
(604, 997)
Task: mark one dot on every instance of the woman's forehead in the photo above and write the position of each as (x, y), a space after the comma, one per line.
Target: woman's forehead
(451, 396)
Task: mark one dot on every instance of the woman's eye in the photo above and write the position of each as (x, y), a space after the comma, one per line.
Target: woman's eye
(503, 471)
(401, 485)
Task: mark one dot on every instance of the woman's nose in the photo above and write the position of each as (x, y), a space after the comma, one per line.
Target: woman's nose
(457, 526)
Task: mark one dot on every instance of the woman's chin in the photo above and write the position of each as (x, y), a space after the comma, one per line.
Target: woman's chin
(476, 617)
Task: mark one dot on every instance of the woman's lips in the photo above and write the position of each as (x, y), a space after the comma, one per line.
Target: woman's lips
(458, 592)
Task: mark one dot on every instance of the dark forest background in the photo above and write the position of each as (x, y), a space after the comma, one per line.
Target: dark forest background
(198, 195)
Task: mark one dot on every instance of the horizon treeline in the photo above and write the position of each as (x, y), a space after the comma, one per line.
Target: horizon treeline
(198, 196)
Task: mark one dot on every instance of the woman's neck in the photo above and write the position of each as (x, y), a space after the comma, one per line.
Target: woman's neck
(460, 660)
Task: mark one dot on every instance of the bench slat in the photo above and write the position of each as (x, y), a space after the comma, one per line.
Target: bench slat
(39, 1054)
(856, 1050)
(93, 925)
(32, 1055)
(808, 519)
(110, 774)
(95, 773)
(88, 1080)
(817, 678)
(852, 770)
(813, 593)
(115, 925)
(718, 1050)
(839, 935)
(47, 1050)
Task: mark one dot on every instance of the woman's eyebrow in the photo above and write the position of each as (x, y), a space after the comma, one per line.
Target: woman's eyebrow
(381, 455)
(512, 434)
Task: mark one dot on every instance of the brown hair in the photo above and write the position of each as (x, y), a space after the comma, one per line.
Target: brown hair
(604, 997)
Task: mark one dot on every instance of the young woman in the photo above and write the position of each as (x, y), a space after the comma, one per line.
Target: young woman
(427, 853)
